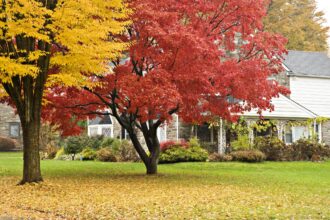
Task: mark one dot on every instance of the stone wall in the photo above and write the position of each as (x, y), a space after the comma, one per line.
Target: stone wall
(8, 117)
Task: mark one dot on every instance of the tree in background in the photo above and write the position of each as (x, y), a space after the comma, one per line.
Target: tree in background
(46, 43)
(298, 21)
(193, 58)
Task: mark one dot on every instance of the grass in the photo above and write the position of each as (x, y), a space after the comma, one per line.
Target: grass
(96, 190)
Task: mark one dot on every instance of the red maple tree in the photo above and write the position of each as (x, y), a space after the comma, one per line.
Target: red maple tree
(187, 57)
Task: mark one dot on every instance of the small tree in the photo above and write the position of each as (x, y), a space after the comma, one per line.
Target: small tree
(73, 146)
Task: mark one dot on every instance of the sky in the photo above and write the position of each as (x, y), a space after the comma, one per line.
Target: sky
(324, 5)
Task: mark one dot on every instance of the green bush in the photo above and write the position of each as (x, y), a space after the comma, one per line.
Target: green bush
(112, 143)
(274, 148)
(7, 144)
(216, 157)
(242, 143)
(106, 155)
(193, 153)
(78, 143)
(88, 154)
(251, 156)
(73, 145)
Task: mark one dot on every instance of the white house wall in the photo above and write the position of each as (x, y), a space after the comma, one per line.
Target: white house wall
(312, 93)
(284, 108)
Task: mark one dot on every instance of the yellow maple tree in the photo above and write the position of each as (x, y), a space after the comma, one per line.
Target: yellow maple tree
(53, 42)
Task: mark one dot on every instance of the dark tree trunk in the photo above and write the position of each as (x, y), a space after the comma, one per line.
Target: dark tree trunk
(152, 165)
(31, 168)
(150, 161)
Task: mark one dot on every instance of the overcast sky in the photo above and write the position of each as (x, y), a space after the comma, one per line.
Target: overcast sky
(324, 5)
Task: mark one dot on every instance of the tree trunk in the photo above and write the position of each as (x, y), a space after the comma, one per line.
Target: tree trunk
(31, 168)
(150, 161)
(152, 166)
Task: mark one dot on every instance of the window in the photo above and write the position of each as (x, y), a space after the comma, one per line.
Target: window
(14, 129)
(288, 136)
(107, 131)
(300, 132)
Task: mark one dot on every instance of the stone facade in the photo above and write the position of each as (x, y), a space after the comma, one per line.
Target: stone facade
(10, 124)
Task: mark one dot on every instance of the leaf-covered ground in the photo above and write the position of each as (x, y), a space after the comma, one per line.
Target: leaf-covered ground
(95, 190)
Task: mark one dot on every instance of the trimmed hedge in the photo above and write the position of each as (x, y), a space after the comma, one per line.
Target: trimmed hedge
(216, 157)
(250, 156)
(7, 144)
(106, 155)
(192, 152)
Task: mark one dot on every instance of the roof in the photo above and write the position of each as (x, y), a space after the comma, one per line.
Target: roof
(284, 107)
(102, 120)
(305, 63)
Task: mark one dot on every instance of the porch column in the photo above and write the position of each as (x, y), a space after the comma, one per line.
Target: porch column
(280, 128)
(212, 134)
(320, 132)
(251, 132)
(221, 137)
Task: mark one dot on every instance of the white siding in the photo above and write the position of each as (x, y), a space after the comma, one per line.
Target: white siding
(284, 108)
(312, 93)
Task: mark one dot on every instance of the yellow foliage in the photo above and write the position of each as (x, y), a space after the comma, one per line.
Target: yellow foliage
(77, 36)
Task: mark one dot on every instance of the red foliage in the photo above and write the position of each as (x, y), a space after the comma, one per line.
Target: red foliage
(169, 144)
(189, 57)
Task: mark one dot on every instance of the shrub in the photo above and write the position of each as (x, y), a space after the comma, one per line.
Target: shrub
(78, 143)
(169, 144)
(64, 157)
(242, 143)
(273, 148)
(127, 152)
(88, 154)
(73, 146)
(251, 156)
(7, 144)
(112, 143)
(305, 149)
(59, 153)
(216, 157)
(92, 142)
(106, 155)
(178, 153)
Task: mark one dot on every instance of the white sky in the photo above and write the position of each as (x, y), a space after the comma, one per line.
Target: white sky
(324, 5)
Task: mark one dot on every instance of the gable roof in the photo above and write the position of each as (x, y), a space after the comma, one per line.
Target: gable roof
(284, 108)
(305, 63)
(100, 120)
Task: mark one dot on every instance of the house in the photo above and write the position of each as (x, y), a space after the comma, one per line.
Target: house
(307, 75)
(10, 124)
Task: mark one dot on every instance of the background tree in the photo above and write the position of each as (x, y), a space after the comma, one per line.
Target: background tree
(298, 21)
(192, 58)
(44, 43)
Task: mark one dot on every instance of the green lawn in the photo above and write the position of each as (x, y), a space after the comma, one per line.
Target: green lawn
(96, 190)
